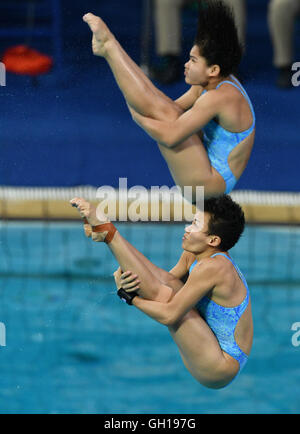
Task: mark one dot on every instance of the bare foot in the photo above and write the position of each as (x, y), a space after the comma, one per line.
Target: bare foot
(89, 211)
(93, 216)
(101, 34)
(87, 230)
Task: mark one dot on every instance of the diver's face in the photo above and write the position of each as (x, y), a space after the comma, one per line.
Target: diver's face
(195, 238)
(196, 70)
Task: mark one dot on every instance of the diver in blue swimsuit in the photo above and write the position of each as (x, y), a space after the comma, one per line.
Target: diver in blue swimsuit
(206, 136)
(220, 142)
(223, 320)
(208, 314)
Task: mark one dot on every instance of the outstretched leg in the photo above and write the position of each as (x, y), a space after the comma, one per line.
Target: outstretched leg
(138, 90)
(156, 284)
(188, 162)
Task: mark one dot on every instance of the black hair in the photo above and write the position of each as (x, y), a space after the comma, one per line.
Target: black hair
(217, 36)
(227, 220)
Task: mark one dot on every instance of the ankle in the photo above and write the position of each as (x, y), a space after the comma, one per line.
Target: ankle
(110, 45)
(104, 232)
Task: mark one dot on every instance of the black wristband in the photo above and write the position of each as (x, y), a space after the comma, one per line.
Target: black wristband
(127, 297)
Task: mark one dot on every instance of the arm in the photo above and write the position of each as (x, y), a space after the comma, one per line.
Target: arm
(169, 278)
(172, 133)
(203, 279)
(150, 287)
(187, 100)
(175, 278)
(183, 265)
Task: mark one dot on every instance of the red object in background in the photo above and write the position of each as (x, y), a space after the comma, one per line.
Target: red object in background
(24, 60)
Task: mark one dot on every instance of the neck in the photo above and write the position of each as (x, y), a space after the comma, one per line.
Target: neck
(208, 253)
(213, 83)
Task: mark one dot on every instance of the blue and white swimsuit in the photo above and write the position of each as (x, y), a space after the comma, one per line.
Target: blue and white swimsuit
(220, 142)
(223, 320)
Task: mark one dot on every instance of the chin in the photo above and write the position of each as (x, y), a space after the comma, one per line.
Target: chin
(192, 83)
(185, 246)
(189, 81)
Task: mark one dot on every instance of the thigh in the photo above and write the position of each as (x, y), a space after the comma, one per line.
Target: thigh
(188, 162)
(190, 167)
(201, 352)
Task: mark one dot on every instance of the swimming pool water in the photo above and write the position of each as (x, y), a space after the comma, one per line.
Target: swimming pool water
(73, 347)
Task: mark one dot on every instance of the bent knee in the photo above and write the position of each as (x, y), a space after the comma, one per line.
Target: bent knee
(173, 112)
(167, 111)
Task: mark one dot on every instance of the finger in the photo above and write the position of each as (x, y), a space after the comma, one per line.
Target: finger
(131, 284)
(118, 283)
(136, 288)
(129, 279)
(118, 272)
(127, 273)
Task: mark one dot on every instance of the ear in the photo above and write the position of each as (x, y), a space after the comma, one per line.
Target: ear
(214, 240)
(215, 70)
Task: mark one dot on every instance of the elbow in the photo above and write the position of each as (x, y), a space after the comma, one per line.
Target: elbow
(165, 321)
(133, 116)
(172, 314)
(172, 139)
(170, 320)
(168, 142)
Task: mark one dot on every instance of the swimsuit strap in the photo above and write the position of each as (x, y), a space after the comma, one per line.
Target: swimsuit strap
(236, 267)
(236, 84)
(243, 92)
(233, 84)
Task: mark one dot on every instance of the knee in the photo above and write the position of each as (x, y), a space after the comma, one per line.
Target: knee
(165, 111)
(172, 111)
